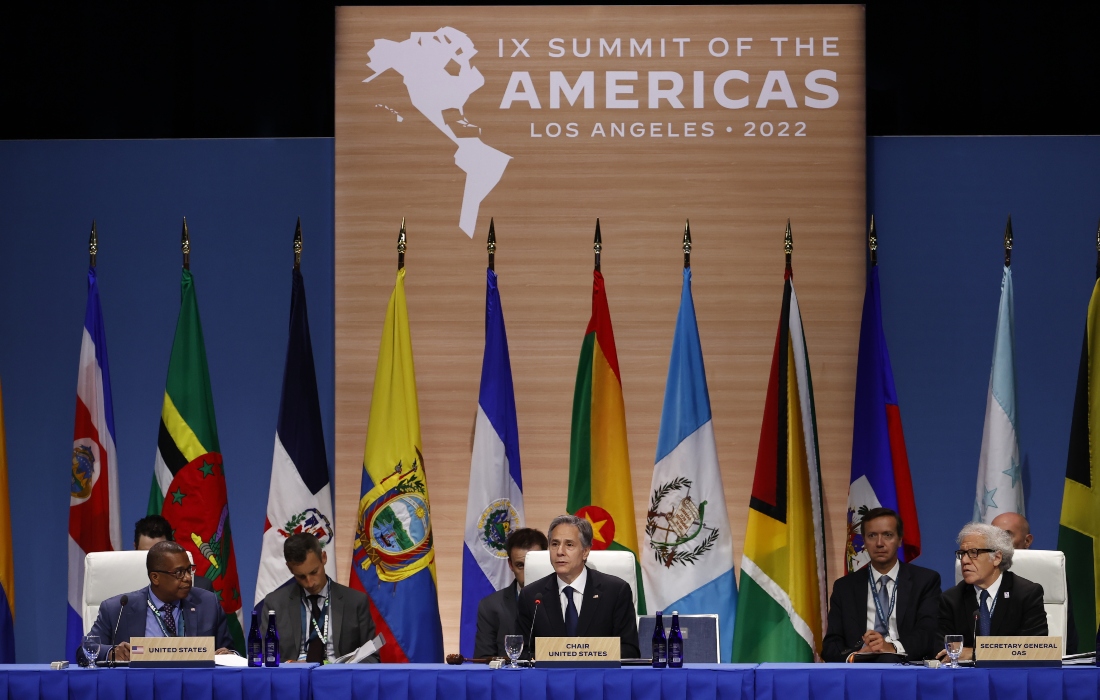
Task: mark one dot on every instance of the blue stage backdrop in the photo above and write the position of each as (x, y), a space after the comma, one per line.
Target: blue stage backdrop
(940, 207)
(241, 199)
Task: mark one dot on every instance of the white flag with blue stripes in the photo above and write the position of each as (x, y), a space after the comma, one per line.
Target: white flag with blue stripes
(687, 555)
(1000, 472)
(494, 506)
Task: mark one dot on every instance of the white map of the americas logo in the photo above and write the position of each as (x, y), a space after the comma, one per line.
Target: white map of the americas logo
(438, 75)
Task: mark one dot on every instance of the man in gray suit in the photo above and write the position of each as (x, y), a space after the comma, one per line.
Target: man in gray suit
(319, 620)
(497, 613)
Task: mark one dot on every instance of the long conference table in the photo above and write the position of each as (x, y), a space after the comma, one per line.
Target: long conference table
(470, 682)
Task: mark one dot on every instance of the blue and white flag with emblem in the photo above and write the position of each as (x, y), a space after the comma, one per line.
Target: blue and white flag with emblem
(494, 506)
(300, 499)
(1000, 486)
(687, 554)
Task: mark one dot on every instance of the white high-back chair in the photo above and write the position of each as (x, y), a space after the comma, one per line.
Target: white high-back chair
(1048, 569)
(537, 565)
(107, 574)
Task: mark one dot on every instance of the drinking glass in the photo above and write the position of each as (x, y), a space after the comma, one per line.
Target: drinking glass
(90, 644)
(954, 645)
(513, 647)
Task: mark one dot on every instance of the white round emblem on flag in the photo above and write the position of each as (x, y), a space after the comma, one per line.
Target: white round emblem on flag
(496, 521)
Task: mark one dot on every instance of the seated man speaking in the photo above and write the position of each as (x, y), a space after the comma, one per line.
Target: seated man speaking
(887, 606)
(168, 607)
(576, 601)
(990, 599)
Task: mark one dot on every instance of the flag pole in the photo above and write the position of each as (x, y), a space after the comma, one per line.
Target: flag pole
(1008, 242)
(491, 245)
(788, 243)
(401, 246)
(872, 242)
(687, 243)
(597, 244)
(1098, 251)
(298, 244)
(93, 245)
(185, 246)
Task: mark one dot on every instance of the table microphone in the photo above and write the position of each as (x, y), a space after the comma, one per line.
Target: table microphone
(975, 655)
(531, 634)
(123, 600)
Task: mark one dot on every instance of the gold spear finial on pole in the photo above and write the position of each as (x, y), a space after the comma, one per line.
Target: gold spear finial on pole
(687, 243)
(491, 244)
(1098, 251)
(185, 246)
(872, 242)
(93, 245)
(401, 246)
(597, 244)
(788, 243)
(1008, 242)
(298, 244)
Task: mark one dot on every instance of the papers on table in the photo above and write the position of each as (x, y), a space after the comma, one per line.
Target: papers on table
(362, 652)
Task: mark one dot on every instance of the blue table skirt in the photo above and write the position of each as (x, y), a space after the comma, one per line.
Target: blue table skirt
(895, 682)
(477, 682)
(27, 682)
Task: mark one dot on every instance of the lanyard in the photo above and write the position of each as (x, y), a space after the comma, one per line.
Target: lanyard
(884, 619)
(163, 628)
(992, 605)
(307, 612)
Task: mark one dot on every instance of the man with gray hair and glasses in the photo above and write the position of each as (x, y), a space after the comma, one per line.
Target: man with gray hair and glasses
(576, 601)
(990, 599)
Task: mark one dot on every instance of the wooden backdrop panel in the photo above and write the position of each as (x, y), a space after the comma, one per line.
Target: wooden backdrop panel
(738, 191)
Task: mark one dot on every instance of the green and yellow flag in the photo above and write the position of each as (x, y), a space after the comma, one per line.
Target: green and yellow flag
(1079, 526)
(599, 465)
(189, 479)
(781, 605)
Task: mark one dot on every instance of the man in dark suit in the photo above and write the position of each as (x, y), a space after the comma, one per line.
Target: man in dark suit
(498, 613)
(168, 607)
(990, 599)
(318, 619)
(577, 601)
(156, 528)
(888, 606)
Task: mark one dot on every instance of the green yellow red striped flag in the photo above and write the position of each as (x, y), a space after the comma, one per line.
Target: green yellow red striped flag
(1079, 526)
(188, 478)
(781, 607)
(599, 465)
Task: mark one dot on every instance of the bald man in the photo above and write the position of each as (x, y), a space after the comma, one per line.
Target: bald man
(1019, 530)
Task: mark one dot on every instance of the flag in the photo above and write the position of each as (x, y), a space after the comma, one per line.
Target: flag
(189, 477)
(688, 555)
(599, 464)
(880, 464)
(7, 561)
(781, 608)
(394, 556)
(1079, 526)
(93, 492)
(1000, 488)
(300, 496)
(494, 506)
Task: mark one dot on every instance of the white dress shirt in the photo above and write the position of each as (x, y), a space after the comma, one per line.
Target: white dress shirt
(872, 612)
(994, 589)
(578, 592)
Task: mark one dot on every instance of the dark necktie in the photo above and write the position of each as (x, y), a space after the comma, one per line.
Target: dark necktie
(315, 648)
(884, 606)
(570, 612)
(983, 615)
(169, 619)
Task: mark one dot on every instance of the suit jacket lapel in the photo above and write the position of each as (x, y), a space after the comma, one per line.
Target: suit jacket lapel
(905, 612)
(189, 608)
(511, 605)
(551, 608)
(336, 614)
(134, 614)
(858, 603)
(1001, 611)
(294, 616)
(591, 605)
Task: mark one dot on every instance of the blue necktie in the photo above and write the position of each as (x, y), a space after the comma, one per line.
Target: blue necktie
(884, 606)
(570, 612)
(983, 615)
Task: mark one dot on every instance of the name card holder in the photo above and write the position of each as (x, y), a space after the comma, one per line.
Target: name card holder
(172, 652)
(994, 652)
(577, 652)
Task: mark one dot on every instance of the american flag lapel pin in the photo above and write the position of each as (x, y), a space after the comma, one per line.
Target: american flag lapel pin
(595, 596)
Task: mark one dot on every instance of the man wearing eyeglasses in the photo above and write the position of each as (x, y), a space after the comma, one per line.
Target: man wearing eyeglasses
(170, 606)
(990, 599)
(888, 606)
